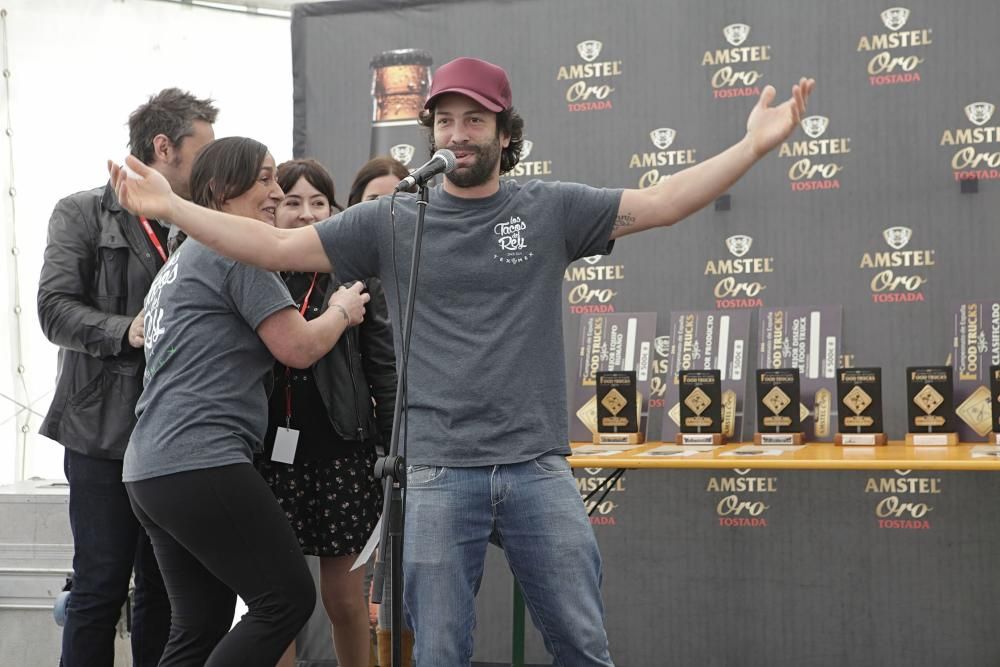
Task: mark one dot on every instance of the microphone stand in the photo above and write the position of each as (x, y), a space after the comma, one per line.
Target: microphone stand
(392, 467)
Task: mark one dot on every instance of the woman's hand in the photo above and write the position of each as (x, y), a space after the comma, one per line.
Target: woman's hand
(141, 189)
(350, 302)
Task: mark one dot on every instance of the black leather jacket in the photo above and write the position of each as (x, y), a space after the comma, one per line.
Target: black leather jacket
(360, 367)
(97, 269)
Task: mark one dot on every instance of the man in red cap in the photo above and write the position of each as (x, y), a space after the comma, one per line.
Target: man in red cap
(486, 422)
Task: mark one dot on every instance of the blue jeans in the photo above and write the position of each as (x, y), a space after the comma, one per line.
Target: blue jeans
(108, 544)
(534, 512)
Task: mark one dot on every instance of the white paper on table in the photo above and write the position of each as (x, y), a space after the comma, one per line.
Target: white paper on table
(986, 452)
(604, 450)
(756, 450)
(677, 450)
(671, 453)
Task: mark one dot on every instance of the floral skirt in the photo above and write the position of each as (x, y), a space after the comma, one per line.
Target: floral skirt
(332, 504)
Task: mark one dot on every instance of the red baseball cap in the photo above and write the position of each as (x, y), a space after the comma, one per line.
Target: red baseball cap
(484, 82)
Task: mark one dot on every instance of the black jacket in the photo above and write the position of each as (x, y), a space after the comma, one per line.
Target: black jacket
(97, 269)
(360, 367)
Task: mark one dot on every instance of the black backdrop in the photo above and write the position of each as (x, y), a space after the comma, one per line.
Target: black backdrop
(681, 588)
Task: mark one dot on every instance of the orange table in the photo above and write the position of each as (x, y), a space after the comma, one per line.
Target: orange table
(817, 456)
(813, 456)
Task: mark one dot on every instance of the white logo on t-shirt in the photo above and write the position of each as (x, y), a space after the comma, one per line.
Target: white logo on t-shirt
(152, 320)
(511, 239)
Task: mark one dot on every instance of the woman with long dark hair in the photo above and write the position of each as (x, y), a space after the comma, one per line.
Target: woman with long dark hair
(213, 328)
(341, 406)
(376, 178)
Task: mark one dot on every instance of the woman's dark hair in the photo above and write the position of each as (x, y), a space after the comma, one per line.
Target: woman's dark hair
(315, 174)
(225, 169)
(509, 122)
(374, 168)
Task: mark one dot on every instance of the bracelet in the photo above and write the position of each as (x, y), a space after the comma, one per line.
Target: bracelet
(343, 311)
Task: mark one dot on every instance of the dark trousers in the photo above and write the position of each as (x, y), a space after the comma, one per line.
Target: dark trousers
(108, 543)
(217, 533)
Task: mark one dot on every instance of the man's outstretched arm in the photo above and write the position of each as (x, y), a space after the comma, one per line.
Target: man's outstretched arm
(146, 192)
(687, 191)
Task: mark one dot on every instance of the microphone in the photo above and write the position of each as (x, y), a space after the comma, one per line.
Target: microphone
(441, 162)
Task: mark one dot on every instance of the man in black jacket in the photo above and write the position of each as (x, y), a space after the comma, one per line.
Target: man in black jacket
(99, 263)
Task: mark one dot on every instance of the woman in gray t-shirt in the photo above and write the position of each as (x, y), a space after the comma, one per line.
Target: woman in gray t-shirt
(213, 328)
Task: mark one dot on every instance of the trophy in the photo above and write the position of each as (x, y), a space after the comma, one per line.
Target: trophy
(930, 411)
(700, 408)
(617, 409)
(779, 409)
(860, 391)
(994, 400)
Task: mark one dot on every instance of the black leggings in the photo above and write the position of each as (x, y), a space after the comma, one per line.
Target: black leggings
(217, 533)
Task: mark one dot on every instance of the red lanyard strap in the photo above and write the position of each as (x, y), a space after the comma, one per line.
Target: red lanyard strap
(305, 300)
(152, 237)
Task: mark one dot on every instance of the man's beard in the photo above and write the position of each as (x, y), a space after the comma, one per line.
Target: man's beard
(482, 168)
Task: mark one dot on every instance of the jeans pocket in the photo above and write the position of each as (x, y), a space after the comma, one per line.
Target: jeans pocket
(553, 464)
(419, 475)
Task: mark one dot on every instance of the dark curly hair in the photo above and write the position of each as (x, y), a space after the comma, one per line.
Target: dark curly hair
(509, 122)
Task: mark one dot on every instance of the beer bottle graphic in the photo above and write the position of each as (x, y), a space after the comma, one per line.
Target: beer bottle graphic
(401, 80)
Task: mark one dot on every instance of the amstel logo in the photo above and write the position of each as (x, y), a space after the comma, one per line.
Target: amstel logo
(895, 18)
(531, 168)
(975, 158)
(660, 371)
(900, 273)
(805, 174)
(590, 88)
(897, 237)
(589, 49)
(734, 289)
(734, 509)
(904, 502)
(402, 153)
(979, 113)
(589, 285)
(602, 513)
(733, 76)
(890, 66)
(739, 244)
(651, 161)
(736, 33)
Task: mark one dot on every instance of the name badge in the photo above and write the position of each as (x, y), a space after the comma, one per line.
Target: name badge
(285, 441)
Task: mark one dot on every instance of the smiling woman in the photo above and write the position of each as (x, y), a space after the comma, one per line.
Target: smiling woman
(237, 175)
(213, 329)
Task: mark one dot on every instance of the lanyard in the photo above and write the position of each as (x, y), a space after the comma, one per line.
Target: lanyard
(288, 373)
(152, 237)
(305, 299)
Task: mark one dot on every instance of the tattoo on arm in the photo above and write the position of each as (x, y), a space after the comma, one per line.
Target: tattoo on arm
(625, 219)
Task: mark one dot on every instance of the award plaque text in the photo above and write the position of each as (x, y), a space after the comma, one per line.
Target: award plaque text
(930, 411)
(779, 409)
(859, 394)
(701, 407)
(617, 408)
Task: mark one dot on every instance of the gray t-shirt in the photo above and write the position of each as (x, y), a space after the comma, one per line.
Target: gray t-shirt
(487, 383)
(204, 403)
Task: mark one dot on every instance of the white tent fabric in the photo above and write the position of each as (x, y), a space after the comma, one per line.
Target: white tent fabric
(77, 69)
